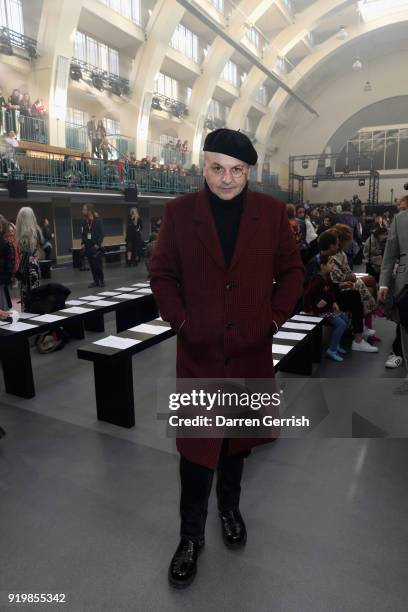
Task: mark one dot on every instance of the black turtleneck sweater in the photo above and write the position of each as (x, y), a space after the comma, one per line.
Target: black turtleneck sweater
(227, 217)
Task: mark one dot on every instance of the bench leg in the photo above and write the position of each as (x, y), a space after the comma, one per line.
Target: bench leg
(114, 391)
(75, 329)
(133, 314)
(301, 362)
(17, 369)
(94, 322)
(317, 344)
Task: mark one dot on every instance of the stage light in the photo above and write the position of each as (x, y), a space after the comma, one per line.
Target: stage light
(115, 87)
(361, 182)
(97, 81)
(315, 182)
(156, 104)
(305, 164)
(75, 72)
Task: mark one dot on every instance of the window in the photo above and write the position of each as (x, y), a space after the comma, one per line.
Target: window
(185, 41)
(77, 117)
(128, 8)
(230, 73)
(217, 110)
(111, 126)
(167, 86)
(11, 15)
(261, 96)
(218, 4)
(91, 51)
(253, 36)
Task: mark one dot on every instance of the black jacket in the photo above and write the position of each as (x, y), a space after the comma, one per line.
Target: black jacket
(95, 228)
(6, 262)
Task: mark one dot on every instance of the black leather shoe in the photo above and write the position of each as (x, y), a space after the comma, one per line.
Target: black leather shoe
(102, 283)
(183, 566)
(233, 529)
(91, 285)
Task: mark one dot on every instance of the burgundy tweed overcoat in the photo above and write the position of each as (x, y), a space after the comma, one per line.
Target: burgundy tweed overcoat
(229, 313)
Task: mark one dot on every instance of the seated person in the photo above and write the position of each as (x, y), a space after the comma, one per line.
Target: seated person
(320, 299)
(328, 244)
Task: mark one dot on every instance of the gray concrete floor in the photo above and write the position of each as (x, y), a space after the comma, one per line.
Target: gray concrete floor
(91, 510)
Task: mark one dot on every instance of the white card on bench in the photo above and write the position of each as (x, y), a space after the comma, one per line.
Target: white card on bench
(27, 315)
(73, 303)
(284, 335)
(124, 289)
(127, 296)
(290, 325)
(48, 318)
(89, 298)
(144, 291)
(306, 318)
(109, 293)
(102, 303)
(148, 329)
(116, 342)
(17, 326)
(141, 285)
(77, 310)
(281, 348)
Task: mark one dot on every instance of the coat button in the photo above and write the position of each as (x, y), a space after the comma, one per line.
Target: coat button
(230, 325)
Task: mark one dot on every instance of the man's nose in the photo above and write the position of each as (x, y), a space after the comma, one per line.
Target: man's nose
(227, 177)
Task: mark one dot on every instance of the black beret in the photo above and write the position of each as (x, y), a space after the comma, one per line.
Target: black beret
(232, 143)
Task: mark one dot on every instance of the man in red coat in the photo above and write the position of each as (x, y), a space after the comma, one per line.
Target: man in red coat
(226, 274)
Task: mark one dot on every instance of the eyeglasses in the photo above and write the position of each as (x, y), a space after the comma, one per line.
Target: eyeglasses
(236, 171)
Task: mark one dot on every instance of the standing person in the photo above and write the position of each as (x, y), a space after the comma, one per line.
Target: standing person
(346, 217)
(100, 135)
(218, 254)
(92, 238)
(396, 254)
(6, 265)
(29, 240)
(91, 131)
(134, 241)
(48, 237)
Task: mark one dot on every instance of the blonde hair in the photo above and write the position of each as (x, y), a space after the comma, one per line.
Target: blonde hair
(27, 231)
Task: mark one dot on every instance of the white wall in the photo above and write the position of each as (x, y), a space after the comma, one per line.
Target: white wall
(336, 100)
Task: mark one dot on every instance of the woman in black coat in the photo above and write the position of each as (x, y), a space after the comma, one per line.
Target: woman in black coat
(134, 240)
(6, 265)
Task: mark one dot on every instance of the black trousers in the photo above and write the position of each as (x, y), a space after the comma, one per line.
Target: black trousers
(196, 482)
(350, 301)
(396, 345)
(95, 263)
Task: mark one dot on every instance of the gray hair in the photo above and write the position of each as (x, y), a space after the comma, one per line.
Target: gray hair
(28, 233)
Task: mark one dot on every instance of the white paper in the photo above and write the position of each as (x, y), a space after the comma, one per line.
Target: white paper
(148, 329)
(306, 318)
(73, 302)
(141, 285)
(48, 318)
(89, 298)
(116, 342)
(144, 291)
(26, 315)
(290, 325)
(77, 310)
(109, 293)
(127, 296)
(3, 323)
(284, 335)
(123, 289)
(18, 326)
(102, 303)
(276, 361)
(281, 348)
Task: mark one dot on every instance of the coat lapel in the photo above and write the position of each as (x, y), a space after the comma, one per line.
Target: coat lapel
(247, 228)
(206, 230)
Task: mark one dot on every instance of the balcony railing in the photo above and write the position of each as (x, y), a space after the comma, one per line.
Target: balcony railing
(11, 40)
(26, 127)
(81, 174)
(98, 78)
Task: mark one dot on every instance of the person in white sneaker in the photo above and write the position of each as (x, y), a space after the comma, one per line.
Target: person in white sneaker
(396, 256)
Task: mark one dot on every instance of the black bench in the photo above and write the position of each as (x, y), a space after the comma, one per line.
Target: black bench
(132, 307)
(296, 346)
(45, 268)
(112, 252)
